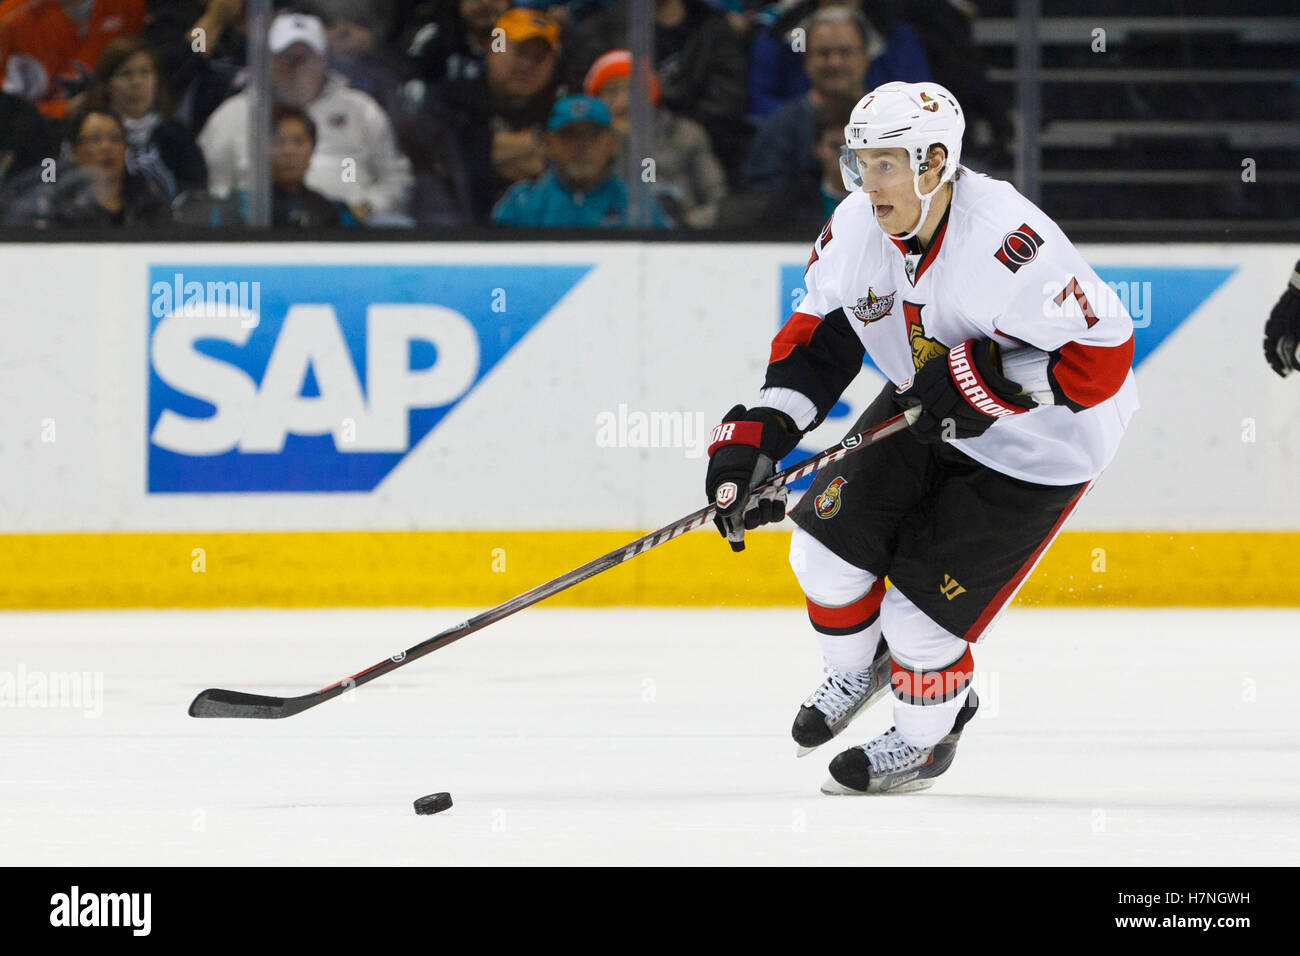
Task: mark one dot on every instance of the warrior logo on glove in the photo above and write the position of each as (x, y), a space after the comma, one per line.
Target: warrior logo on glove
(726, 494)
(962, 393)
(968, 380)
(742, 457)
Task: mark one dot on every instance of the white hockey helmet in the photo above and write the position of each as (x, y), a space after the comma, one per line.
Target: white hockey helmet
(909, 116)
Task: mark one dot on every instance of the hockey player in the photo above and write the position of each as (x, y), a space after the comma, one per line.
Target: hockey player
(985, 318)
(1282, 330)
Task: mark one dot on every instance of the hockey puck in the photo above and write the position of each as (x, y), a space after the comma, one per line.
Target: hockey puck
(433, 803)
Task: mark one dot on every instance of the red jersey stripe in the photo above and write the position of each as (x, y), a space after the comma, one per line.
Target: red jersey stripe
(798, 330)
(932, 253)
(1090, 374)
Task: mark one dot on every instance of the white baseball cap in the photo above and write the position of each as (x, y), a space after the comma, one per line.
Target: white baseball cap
(290, 28)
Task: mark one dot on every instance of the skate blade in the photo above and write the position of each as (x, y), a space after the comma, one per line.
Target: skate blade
(833, 788)
(801, 751)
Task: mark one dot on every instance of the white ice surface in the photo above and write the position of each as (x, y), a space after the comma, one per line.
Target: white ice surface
(635, 737)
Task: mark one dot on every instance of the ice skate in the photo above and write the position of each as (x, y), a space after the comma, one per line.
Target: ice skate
(889, 764)
(837, 701)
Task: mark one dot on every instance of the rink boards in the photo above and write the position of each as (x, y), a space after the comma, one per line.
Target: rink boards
(437, 423)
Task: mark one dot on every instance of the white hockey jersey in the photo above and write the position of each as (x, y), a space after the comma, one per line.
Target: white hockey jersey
(997, 267)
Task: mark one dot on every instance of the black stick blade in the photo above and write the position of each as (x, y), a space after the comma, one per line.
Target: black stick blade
(232, 703)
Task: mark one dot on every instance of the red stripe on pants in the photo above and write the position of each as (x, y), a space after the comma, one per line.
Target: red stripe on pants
(932, 687)
(1008, 589)
(859, 612)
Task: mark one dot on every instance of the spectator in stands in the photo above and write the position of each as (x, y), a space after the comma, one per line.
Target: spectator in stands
(24, 137)
(47, 47)
(354, 30)
(440, 191)
(425, 131)
(806, 200)
(776, 69)
(580, 188)
(127, 81)
(293, 203)
(115, 196)
(451, 40)
(688, 179)
(356, 159)
(500, 116)
(838, 62)
(698, 57)
(92, 187)
(202, 47)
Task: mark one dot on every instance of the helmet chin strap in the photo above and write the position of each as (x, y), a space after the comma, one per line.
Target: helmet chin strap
(926, 199)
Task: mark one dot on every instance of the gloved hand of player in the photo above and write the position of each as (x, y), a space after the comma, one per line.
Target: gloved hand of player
(1282, 330)
(743, 453)
(961, 394)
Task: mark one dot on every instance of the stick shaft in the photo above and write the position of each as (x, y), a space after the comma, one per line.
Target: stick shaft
(646, 542)
(218, 703)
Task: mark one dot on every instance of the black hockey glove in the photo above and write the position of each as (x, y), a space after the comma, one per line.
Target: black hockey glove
(1282, 330)
(743, 453)
(962, 394)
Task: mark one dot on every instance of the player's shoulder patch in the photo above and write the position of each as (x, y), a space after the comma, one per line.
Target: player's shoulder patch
(995, 222)
(823, 239)
(847, 224)
(1019, 247)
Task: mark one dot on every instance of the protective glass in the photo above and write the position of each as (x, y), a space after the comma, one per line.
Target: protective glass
(854, 171)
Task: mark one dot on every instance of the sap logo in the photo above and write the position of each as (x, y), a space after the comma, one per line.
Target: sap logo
(258, 418)
(344, 370)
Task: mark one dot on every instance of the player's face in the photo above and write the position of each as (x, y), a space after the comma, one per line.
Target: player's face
(887, 181)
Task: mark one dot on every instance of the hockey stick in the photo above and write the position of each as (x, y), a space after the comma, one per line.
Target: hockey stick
(232, 703)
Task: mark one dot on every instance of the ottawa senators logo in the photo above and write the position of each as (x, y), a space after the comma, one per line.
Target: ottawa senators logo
(872, 307)
(923, 348)
(932, 105)
(1019, 248)
(827, 504)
